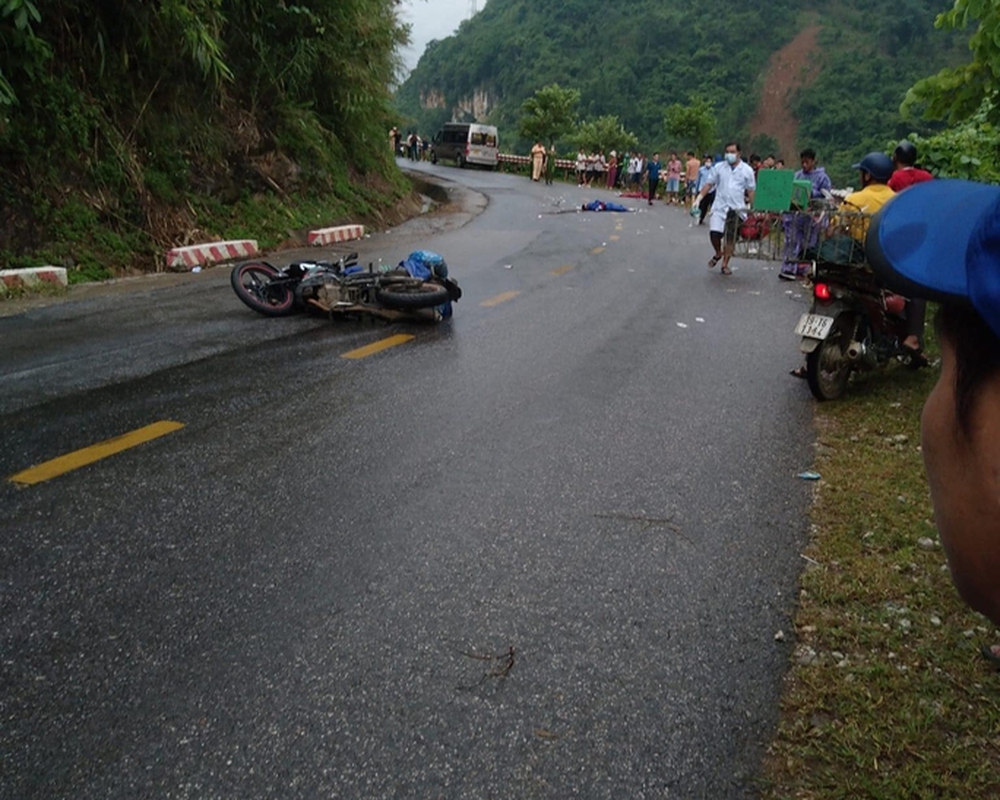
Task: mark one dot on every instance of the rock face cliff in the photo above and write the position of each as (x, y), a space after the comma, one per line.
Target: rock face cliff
(475, 107)
(841, 76)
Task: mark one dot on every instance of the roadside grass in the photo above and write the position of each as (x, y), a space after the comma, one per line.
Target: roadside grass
(887, 695)
(94, 249)
(43, 289)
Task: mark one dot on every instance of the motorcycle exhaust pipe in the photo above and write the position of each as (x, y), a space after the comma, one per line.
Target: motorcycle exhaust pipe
(856, 351)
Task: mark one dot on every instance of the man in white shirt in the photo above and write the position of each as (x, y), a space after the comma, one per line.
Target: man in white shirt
(734, 184)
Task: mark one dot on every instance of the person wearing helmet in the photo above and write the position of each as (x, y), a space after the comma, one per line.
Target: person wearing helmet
(846, 237)
(874, 169)
(904, 158)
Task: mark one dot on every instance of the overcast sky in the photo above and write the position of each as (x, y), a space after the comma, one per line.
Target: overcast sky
(432, 19)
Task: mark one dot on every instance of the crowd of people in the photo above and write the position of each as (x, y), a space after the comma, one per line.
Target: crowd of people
(939, 240)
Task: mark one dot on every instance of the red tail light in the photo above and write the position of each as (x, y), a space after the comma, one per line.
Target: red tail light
(822, 292)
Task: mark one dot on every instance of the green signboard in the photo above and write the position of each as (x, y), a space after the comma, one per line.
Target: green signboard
(774, 190)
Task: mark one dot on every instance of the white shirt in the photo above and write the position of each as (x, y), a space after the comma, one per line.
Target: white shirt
(731, 184)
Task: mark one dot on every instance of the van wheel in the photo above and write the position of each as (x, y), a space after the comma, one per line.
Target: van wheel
(460, 161)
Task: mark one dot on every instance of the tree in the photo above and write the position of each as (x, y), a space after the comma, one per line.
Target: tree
(693, 123)
(551, 113)
(604, 134)
(957, 93)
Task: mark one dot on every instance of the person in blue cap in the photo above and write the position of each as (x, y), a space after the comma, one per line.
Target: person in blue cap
(940, 240)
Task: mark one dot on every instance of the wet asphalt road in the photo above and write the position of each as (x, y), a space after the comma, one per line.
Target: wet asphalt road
(541, 550)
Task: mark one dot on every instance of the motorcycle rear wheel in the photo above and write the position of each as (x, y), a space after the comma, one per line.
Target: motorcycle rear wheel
(408, 296)
(828, 368)
(252, 283)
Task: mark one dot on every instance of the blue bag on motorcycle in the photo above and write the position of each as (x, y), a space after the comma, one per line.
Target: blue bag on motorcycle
(425, 265)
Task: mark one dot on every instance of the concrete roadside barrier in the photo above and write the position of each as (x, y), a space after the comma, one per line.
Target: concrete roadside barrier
(211, 253)
(31, 278)
(341, 233)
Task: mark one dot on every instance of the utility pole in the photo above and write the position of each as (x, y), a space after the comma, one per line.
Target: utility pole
(472, 5)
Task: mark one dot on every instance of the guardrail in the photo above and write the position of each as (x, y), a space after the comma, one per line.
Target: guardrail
(506, 160)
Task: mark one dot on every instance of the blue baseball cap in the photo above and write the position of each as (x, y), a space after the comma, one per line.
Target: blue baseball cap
(940, 240)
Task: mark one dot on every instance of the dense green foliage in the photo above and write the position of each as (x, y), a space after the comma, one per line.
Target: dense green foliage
(635, 58)
(692, 123)
(604, 134)
(968, 150)
(549, 114)
(968, 97)
(129, 125)
(959, 93)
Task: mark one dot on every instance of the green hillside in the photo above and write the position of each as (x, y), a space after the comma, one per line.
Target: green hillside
(634, 58)
(127, 128)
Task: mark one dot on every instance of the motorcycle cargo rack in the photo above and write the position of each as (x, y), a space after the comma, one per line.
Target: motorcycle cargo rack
(818, 234)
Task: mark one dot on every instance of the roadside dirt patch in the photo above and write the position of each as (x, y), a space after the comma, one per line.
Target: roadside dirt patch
(792, 67)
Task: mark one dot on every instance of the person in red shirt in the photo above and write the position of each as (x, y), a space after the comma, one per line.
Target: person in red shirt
(903, 158)
(906, 175)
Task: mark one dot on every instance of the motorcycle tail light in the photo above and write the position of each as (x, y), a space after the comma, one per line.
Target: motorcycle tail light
(822, 292)
(895, 304)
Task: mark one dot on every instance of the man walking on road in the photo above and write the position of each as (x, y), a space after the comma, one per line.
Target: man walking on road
(734, 184)
(674, 167)
(653, 170)
(691, 187)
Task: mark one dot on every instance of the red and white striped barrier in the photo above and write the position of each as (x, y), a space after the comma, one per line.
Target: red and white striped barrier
(30, 277)
(211, 253)
(341, 233)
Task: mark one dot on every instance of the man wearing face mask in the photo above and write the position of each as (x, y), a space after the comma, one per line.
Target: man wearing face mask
(734, 184)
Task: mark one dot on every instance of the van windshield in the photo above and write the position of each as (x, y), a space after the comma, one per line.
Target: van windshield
(483, 139)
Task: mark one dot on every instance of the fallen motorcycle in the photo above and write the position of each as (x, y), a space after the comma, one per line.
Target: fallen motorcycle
(418, 285)
(854, 324)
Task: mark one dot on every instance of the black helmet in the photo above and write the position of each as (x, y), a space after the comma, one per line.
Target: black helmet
(878, 165)
(905, 153)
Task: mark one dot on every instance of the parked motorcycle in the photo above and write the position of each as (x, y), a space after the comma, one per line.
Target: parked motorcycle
(853, 324)
(345, 287)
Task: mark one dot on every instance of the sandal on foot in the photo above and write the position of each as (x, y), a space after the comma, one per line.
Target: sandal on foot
(799, 372)
(917, 359)
(991, 652)
(713, 261)
(725, 270)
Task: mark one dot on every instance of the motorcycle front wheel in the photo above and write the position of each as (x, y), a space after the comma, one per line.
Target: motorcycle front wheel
(407, 296)
(827, 367)
(252, 283)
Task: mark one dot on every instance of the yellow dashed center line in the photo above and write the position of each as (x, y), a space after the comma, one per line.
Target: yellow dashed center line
(618, 227)
(88, 455)
(500, 298)
(562, 270)
(379, 346)
(614, 237)
(596, 251)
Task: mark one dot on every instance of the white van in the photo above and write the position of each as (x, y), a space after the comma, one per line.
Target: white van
(466, 143)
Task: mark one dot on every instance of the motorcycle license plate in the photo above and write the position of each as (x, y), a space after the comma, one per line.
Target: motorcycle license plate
(814, 326)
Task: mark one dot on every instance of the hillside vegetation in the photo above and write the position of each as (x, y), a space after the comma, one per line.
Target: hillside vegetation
(634, 58)
(128, 127)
